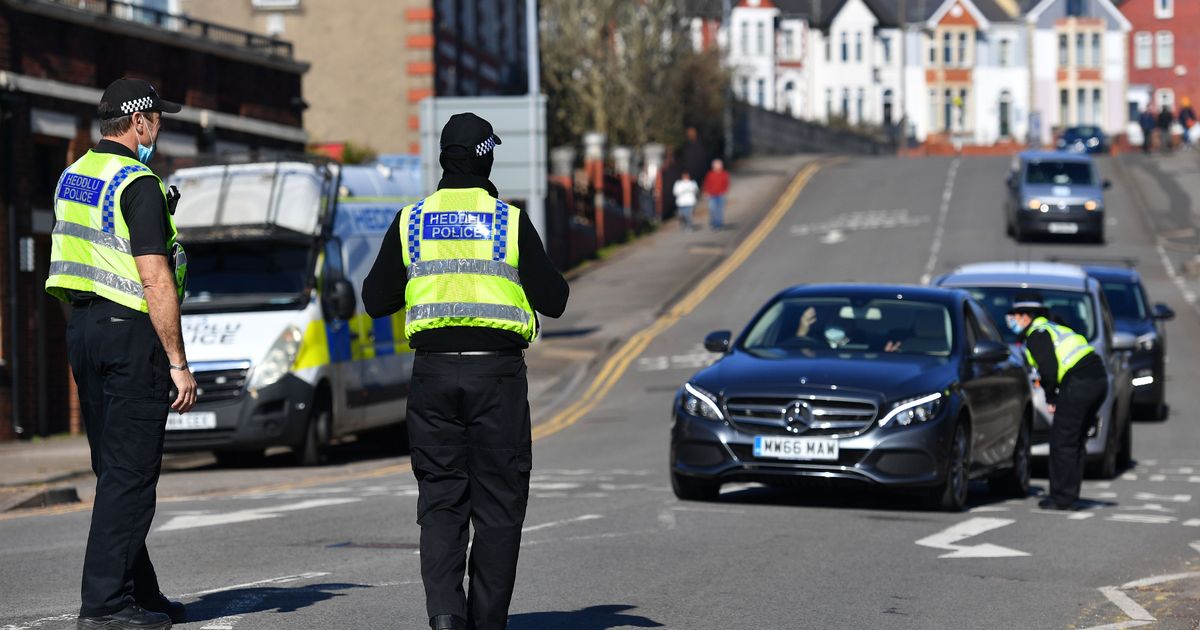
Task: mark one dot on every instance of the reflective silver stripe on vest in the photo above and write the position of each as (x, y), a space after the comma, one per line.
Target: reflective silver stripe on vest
(106, 278)
(466, 309)
(93, 236)
(425, 268)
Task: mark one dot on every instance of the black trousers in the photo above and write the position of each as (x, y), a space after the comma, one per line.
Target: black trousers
(468, 427)
(124, 383)
(1079, 400)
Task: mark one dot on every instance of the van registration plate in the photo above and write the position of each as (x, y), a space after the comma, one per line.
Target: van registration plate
(192, 421)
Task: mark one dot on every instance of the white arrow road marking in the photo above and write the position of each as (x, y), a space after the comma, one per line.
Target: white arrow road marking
(565, 521)
(1192, 522)
(833, 237)
(188, 521)
(1195, 545)
(1149, 496)
(1132, 609)
(951, 536)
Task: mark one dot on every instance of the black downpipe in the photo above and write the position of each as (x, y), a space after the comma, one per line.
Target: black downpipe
(13, 351)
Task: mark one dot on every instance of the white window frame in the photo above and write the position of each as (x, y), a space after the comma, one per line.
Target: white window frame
(858, 47)
(1164, 96)
(1164, 9)
(1097, 46)
(1004, 53)
(279, 5)
(760, 37)
(1143, 50)
(1164, 49)
(745, 47)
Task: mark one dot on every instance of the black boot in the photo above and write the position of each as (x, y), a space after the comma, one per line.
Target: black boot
(160, 604)
(447, 622)
(132, 617)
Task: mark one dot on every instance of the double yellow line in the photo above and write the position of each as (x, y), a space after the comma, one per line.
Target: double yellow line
(617, 365)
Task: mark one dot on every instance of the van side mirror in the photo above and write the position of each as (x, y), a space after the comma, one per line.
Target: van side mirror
(1123, 342)
(718, 341)
(1164, 313)
(990, 351)
(341, 300)
(1106, 184)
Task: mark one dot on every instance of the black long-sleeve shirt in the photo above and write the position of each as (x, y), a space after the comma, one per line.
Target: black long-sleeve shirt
(546, 289)
(1041, 346)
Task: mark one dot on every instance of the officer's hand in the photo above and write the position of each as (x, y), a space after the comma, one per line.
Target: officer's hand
(1051, 408)
(185, 384)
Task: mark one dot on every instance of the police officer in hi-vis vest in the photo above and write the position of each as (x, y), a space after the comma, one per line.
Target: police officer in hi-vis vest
(470, 270)
(116, 261)
(1075, 381)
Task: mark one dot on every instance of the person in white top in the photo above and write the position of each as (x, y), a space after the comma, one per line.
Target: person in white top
(686, 191)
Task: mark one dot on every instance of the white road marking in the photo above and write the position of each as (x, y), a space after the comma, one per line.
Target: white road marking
(1102, 485)
(1131, 608)
(189, 521)
(1195, 545)
(681, 508)
(834, 231)
(833, 237)
(1151, 519)
(1176, 498)
(1159, 579)
(1070, 516)
(666, 518)
(1194, 479)
(40, 622)
(1105, 495)
(950, 538)
(1158, 477)
(1186, 470)
(1148, 507)
(565, 521)
(940, 231)
(1192, 522)
(1129, 477)
(987, 508)
(1188, 295)
(554, 486)
(283, 579)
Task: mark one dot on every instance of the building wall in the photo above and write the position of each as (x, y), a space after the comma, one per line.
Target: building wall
(997, 82)
(853, 24)
(1182, 76)
(750, 63)
(370, 65)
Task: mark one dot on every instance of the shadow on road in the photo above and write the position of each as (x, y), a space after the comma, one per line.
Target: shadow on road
(848, 496)
(245, 601)
(590, 618)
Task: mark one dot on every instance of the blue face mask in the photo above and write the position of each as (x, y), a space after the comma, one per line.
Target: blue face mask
(145, 152)
(1015, 325)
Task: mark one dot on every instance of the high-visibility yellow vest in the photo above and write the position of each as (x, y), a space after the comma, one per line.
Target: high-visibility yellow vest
(90, 248)
(461, 257)
(1070, 347)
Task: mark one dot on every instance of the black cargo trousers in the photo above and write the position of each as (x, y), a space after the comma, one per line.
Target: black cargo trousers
(468, 427)
(124, 383)
(1079, 400)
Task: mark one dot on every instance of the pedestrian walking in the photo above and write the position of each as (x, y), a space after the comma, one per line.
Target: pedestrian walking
(716, 186)
(686, 191)
(1075, 382)
(1187, 118)
(1147, 121)
(470, 271)
(1165, 120)
(693, 155)
(115, 259)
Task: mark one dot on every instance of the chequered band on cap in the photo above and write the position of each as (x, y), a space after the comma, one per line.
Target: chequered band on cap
(1028, 305)
(484, 147)
(137, 105)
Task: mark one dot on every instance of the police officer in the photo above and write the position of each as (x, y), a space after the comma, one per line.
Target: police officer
(470, 271)
(1075, 381)
(116, 261)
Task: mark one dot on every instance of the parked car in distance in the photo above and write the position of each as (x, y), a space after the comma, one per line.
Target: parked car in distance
(1083, 139)
(897, 386)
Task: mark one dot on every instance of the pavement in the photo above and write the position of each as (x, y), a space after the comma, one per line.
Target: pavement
(606, 544)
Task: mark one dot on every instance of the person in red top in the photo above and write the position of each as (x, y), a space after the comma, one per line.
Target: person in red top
(716, 186)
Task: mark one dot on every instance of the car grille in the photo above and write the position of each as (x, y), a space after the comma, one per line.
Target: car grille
(218, 385)
(805, 415)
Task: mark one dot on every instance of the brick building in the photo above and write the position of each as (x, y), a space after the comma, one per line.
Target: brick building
(1164, 53)
(241, 91)
(372, 66)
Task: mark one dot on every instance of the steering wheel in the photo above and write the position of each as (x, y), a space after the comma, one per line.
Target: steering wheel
(803, 342)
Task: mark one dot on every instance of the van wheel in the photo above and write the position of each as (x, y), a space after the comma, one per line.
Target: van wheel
(1014, 482)
(693, 489)
(312, 451)
(951, 494)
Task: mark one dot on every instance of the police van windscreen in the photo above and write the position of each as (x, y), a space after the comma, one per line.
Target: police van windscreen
(1073, 308)
(247, 273)
(1060, 173)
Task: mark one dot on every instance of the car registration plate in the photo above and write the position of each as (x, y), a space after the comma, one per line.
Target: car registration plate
(808, 449)
(192, 421)
(1064, 228)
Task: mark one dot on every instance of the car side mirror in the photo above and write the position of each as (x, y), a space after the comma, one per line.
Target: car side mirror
(1123, 342)
(1164, 313)
(718, 341)
(1106, 184)
(990, 351)
(342, 300)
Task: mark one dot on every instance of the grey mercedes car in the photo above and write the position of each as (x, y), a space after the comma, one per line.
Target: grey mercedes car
(1055, 194)
(1079, 300)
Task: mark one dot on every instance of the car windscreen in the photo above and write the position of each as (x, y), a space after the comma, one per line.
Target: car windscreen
(1124, 300)
(1073, 308)
(247, 268)
(1059, 173)
(842, 327)
(1084, 132)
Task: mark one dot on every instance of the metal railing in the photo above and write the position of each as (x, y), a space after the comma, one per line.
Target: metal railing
(199, 29)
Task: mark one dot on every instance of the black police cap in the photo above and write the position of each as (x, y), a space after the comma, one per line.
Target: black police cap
(1027, 302)
(467, 135)
(126, 96)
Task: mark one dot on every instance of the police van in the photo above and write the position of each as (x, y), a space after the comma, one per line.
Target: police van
(282, 350)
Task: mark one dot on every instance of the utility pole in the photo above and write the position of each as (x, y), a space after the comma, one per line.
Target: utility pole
(903, 45)
(535, 205)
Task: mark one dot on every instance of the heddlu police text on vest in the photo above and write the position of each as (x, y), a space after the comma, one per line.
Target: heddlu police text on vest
(456, 226)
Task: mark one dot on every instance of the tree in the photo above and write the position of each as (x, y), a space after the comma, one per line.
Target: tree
(627, 68)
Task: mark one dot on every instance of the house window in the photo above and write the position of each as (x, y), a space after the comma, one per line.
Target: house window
(745, 38)
(1097, 56)
(829, 47)
(1075, 8)
(1064, 107)
(846, 103)
(933, 110)
(962, 109)
(1005, 53)
(746, 88)
(1064, 51)
(1165, 48)
(1097, 107)
(1164, 9)
(760, 36)
(948, 110)
(962, 49)
(932, 52)
(858, 47)
(1080, 49)
(947, 49)
(1165, 98)
(859, 104)
(886, 44)
(845, 47)
(788, 45)
(762, 92)
(828, 103)
(1081, 106)
(1143, 51)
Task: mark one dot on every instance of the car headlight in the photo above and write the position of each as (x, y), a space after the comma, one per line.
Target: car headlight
(1091, 204)
(278, 361)
(1146, 342)
(1093, 142)
(1035, 204)
(698, 402)
(912, 410)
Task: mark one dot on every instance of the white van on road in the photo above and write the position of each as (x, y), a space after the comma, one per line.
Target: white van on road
(281, 347)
